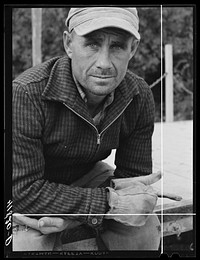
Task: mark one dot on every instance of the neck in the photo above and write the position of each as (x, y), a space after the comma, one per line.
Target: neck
(94, 102)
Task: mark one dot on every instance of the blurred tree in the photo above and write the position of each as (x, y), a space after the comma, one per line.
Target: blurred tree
(147, 59)
(146, 62)
(21, 37)
(178, 30)
(53, 25)
(52, 31)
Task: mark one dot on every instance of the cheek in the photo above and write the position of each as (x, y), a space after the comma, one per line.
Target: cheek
(80, 60)
(121, 66)
(80, 66)
(78, 69)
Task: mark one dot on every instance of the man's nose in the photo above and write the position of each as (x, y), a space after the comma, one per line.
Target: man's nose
(103, 61)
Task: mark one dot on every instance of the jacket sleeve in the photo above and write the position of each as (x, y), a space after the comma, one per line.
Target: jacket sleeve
(134, 155)
(32, 193)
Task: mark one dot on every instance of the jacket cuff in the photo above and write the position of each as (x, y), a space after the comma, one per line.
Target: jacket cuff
(98, 208)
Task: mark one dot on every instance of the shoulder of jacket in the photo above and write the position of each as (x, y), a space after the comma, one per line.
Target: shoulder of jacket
(37, 73)
(137, 81)
(131, 75)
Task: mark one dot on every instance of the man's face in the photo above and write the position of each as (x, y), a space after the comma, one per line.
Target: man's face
(100, 59)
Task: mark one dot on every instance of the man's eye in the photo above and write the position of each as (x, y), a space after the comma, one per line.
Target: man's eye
(92, 45)
(117, 47)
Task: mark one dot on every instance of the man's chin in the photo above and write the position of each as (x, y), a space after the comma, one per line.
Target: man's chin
(102, 90)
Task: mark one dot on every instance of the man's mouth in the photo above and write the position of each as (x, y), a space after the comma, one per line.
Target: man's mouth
(103, 76)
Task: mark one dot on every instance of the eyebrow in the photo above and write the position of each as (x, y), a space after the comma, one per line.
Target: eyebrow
(94, 36)
(121, 43)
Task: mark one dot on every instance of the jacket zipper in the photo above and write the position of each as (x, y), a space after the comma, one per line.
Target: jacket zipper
(98, 134)
(116, 117)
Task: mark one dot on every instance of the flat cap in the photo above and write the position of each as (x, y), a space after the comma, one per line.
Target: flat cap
(86, 20)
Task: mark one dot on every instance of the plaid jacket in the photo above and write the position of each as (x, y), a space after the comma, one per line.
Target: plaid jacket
(55, 141)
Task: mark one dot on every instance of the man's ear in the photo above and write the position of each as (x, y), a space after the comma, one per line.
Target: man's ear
(134, 47)
(67, 41)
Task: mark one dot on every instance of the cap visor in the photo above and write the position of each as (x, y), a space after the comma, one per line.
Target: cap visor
(99, 23)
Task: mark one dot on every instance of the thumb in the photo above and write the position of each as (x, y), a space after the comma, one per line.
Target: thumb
(126, 182)
(150, 179)
(46, 222)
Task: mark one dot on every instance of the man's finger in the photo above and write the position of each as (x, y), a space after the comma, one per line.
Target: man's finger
(126, 182)
(149, 179)
(168, 195)
(48, 225)
(23, 220)
(50, 222)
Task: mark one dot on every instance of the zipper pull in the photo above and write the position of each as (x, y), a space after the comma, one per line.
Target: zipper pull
(98, 139)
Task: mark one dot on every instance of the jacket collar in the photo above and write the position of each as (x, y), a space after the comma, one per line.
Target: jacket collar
(61, 87)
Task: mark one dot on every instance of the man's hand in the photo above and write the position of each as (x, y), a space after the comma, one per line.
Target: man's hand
(131, 205)
(146, 180)
(45, 225)
(131, 200)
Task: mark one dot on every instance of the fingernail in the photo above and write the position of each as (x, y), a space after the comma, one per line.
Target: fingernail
(41, 223)
(178, 198)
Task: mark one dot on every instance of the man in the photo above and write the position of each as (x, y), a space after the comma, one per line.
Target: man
(68, 114)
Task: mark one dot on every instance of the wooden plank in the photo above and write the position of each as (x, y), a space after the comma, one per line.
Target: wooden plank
(183, 206)
(36, 35)
(169, 97)
(177, 226)
(175, 217)
(177, 160)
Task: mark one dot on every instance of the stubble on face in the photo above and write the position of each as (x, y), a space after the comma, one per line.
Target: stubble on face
(97, 73)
